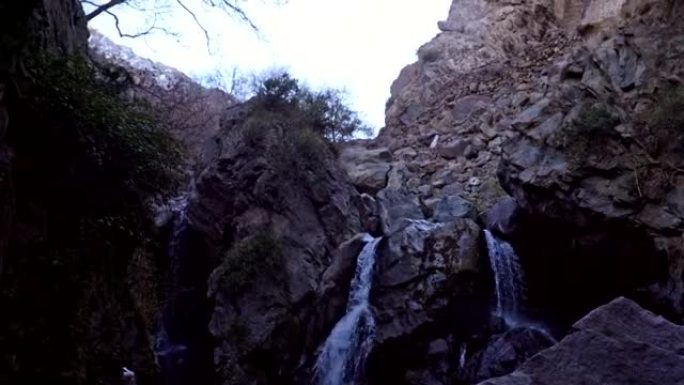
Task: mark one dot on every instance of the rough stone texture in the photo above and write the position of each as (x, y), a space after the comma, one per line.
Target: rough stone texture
(502, 353)
(585, 168)
(192, 112)
(512, 78)
(416, 265)
(310, 209)
(367, 168)
(95, 318)
(449, 107)
(619, 343)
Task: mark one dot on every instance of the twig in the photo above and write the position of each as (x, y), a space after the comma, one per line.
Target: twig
(206, 33)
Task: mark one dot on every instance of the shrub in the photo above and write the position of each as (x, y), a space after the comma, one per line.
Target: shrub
(260, 254)
(594, 118)
(123, 139)
(323, 112)
(664, 124)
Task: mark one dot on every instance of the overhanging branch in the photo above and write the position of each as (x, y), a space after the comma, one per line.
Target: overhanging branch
(102, 8)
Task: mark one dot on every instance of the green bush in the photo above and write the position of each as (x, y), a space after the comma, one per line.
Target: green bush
(665, 122)
(588, 125)
(84, 246)
(323, 112)
(249, 258)
(595, 118)
(122, 138)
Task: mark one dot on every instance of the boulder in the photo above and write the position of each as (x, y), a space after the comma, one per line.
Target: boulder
(416, 265)
(397, 204)
(618, 343)
(367, 168)
(452, 207)
(503, 217)
(502, 353)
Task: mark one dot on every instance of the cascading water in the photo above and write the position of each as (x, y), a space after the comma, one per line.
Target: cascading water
(462, 351)
(508, 278)
(344, 353)
(169, 354)
(184, 347)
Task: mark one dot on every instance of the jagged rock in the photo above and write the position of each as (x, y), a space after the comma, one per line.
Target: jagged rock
(396, 205)
(503, 217)
(468, 106)
(453, 150)
(503, 353)
(367, 168)
(587, 164)
(452, 207)
(617, 343)
(307, 210)
(191, 111)
(370, 215)
(416, 265)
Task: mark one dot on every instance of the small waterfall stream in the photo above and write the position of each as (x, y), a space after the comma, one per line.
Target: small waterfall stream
(172, 355)
(183, 346)
(462, 351)
(344, 353)
(508, 278)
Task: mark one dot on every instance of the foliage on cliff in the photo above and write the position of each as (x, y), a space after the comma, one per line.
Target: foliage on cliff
(323, 112)
(80, 277)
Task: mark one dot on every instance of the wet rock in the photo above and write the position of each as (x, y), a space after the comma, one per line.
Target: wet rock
(415, 266)
(503, 217)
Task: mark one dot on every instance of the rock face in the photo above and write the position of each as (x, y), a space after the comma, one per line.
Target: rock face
(602, 149)
(427, 287)
(617, 343)
(258, 198)
(501, 353)
(532, 113)
(92, 302)
(421, 268)
(191, 111)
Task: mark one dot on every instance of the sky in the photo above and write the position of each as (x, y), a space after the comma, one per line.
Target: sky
(355, 45)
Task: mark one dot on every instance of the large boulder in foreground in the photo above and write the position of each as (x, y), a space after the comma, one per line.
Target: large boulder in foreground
(618, 343)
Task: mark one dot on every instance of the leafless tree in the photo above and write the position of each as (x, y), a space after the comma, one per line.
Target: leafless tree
(155, 9)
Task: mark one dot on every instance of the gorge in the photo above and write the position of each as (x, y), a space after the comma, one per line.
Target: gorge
(518, 220)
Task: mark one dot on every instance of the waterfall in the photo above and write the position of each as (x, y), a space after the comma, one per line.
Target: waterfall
(508, 278)
(170, 355)
(344, 353)
(462, 355)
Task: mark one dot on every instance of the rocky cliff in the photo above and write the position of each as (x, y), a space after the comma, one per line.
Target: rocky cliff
(569, 107)
(77, 287)
(554, 124)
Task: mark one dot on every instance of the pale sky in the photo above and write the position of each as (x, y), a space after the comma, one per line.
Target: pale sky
(356, 45)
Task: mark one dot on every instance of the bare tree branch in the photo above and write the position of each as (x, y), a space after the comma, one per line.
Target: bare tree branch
(149, 30)
(238, 11)
(102, 8)
(206, 33)
(230, 7)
